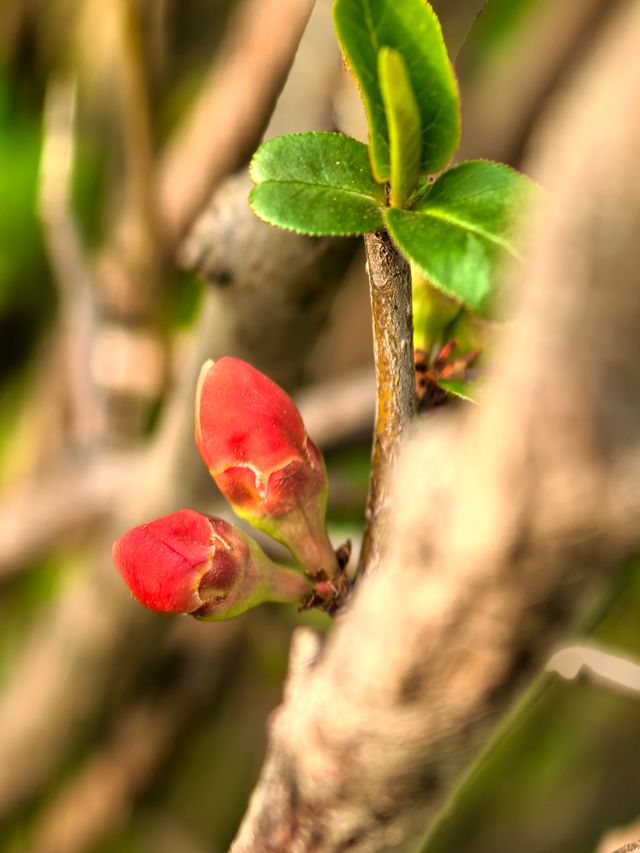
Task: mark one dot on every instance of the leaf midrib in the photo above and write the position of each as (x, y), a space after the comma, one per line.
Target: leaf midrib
(446, 216)
(322, 186)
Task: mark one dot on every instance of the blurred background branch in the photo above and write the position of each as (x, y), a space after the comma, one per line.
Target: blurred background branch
(128, 255)
(228, 118)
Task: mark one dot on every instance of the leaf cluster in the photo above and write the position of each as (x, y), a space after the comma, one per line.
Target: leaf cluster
(453, 225)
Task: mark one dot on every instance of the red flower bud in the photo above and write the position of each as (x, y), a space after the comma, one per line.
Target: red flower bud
(252, 438)
(191, 563)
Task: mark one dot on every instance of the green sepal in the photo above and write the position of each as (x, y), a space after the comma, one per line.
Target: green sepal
(433, 312)
(302, 530)
(316, 184)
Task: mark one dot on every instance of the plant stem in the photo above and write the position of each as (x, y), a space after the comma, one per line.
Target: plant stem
(390, 290)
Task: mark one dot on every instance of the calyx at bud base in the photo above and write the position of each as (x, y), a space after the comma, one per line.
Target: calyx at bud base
(191, 563)
(254, 442)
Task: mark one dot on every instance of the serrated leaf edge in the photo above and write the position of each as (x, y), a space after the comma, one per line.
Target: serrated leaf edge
(306, 134)
(456, 393)
(325, 233)
(435, 282)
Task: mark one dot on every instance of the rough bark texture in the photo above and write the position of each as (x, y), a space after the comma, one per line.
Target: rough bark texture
(390, 290)
(502, 515)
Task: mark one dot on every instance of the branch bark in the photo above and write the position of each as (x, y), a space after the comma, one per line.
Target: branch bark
(503, 516)
(390, 291)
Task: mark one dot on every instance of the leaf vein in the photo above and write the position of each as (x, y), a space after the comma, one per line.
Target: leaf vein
(446, 216)
(333, 187)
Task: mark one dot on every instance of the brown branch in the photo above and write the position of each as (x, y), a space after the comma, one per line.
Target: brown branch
(617, 840)
(34, 520)
(338, 410)
(390, 291)
(504, 98)
(130, 265)
(503, 515)
(273, 288)
(228, 119)
(73, 274)
(127, 273)
(97, 800)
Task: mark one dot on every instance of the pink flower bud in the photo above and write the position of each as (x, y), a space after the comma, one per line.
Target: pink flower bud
(252, 438)
(191, 563)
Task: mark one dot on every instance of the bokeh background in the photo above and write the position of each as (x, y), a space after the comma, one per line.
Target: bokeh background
(128, 255)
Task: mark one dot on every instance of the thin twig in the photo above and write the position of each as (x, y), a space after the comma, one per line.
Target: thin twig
(603, 667)
(503, 99)
(390, 290)
(229, 116)
(72, 270)
(130, 264)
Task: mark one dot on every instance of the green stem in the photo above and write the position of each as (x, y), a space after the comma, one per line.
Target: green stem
(286, 585)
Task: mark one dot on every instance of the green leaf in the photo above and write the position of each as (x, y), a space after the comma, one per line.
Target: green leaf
(412, 29)
(433, 312)
(462, 388)
(459, 230)
(403, 121)
(316, 183)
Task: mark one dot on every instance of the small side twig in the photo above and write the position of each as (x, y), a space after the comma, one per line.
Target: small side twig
(601, 666)
(390, 290)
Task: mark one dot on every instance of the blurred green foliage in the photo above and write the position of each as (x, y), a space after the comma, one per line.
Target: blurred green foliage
(19, 232)
(499, 19)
